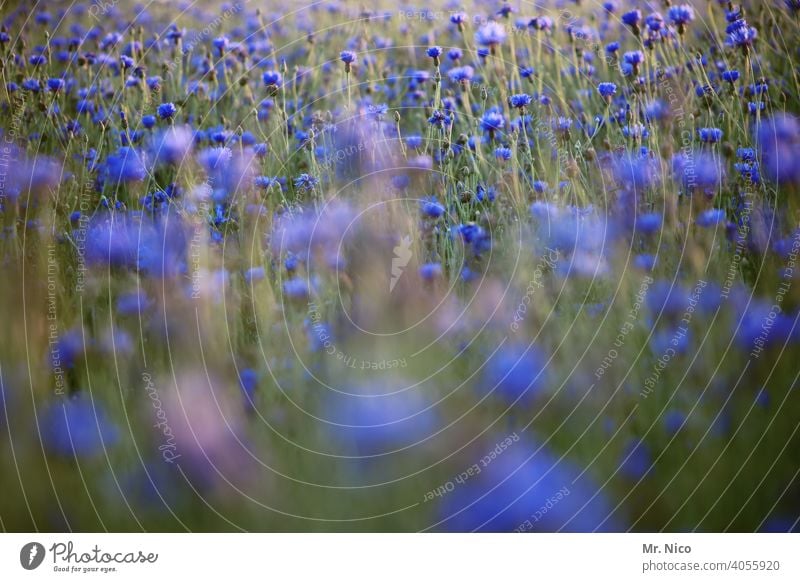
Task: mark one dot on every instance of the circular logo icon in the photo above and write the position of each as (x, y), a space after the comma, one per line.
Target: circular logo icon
(31, 555)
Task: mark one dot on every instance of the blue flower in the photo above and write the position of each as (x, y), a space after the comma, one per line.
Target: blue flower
(524, 487)
(166, 110)
(348, 57)
(430, 271)
(515, 373)
(55, 84)
(540, 186)
(254, 274)
(133, 303)
(172, 146)
(248, 382)
(503, 153)
(305, 182)
(461, 74)
(31, 85)
(431, 208)
(414, 141)
(272, 79)
(544, 23)
(712, 217)
(434, 52)
(125, 165)
(76, 427)
(778, 141)
(632, 18)
(649, 223)
(731, 76)
(43, 18)
(710, 134)
(741, 35)
(484, 194)
(645, 262)
(296, 289)
(492, 121)
(491, 34)
(379, 418)
(674, 420)
(636, 460)
(607, 90)
(698, 171)
(520, 100)
(633, 58)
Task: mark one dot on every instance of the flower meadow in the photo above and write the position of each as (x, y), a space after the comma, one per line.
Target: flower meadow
(469, 266)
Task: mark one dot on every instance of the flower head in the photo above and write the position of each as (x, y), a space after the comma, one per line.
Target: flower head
(491, 34)
(166, 110)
